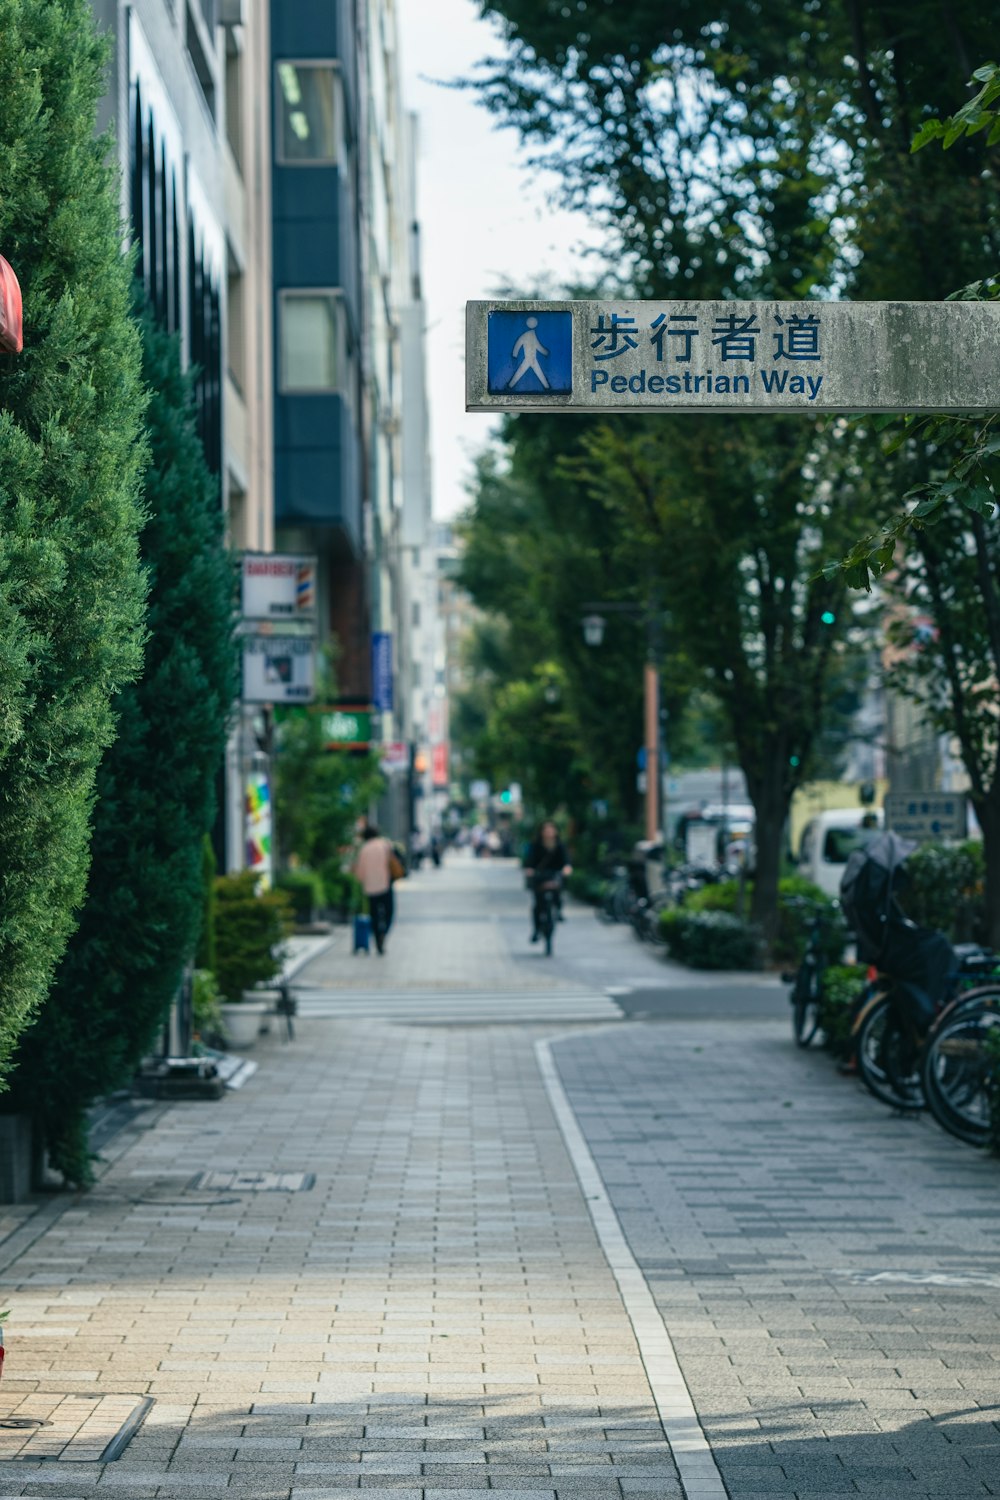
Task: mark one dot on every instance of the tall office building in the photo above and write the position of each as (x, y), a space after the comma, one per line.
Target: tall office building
(188, 104)
(350, 434)
(320, 484)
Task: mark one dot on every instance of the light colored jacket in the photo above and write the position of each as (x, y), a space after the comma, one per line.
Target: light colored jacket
(372, 866)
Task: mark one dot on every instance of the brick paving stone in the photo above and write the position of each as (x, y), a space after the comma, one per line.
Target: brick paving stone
(750, 1221)
(434, 1317)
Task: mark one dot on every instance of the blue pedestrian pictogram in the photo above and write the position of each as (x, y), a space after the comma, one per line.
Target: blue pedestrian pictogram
(529, 353)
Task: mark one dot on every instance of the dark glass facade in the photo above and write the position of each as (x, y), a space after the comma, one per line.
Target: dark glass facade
(157, 230)
(317, 457)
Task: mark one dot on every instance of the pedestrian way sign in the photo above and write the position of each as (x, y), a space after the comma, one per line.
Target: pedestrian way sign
(724, 357)
(530, 353)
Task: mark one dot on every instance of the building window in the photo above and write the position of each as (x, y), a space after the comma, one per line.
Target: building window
(416, 614)
(310, 353)
(307, 132)
(200, 62)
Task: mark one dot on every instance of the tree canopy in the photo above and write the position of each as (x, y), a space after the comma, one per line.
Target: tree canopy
(748, 150)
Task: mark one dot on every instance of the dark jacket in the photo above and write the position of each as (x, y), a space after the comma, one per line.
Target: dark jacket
(546, 861)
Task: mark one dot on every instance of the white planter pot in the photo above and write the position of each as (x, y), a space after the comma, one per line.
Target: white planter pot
(243, 1022)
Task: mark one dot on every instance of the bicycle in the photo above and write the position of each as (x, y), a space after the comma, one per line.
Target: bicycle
(892, 1037)
(619, 898)
(546, 903)
(961, 1060)
(806, 995)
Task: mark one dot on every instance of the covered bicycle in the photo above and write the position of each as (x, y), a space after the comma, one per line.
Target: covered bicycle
(920, 974)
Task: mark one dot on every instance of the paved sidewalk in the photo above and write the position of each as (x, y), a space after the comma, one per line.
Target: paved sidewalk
(829, 1272)
(391, 1280)
(434, 1319)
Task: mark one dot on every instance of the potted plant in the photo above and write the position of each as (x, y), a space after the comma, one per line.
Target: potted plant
(250, 929)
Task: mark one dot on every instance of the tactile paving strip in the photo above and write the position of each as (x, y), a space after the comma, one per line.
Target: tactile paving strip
(68, 1426)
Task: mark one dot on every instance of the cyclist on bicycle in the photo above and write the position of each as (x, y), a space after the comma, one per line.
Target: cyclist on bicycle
(547, 860)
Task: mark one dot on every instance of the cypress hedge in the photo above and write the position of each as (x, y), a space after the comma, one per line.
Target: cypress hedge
(71, 455)
(145, 899)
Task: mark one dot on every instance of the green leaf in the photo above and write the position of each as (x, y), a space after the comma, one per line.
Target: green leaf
(978, 498)
(930, 130)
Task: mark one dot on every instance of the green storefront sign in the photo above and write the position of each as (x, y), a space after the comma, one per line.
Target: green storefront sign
(347, 726)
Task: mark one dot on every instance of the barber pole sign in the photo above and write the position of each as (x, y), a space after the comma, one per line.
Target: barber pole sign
(11, 322)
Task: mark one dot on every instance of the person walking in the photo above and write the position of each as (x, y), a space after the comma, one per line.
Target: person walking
(373, 868)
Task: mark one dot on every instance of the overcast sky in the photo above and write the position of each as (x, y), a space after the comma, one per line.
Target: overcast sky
(485, 220)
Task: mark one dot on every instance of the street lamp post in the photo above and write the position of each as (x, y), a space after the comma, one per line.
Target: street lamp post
(594, 624)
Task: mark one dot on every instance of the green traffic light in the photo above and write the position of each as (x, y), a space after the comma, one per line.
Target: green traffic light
(828, 617)
(505, 796)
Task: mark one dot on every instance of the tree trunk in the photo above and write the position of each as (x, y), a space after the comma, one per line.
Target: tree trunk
(988, 813)
(771, 802)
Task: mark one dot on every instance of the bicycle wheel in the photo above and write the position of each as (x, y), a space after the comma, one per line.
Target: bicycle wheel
(805, 999)
(957, 1073)
(660, 903)
(887, 1057)
(546, 923)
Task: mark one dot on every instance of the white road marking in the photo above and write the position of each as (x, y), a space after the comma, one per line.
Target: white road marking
(695, 1461)
(504, 1007)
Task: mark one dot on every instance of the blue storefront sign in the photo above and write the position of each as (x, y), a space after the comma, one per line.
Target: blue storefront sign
(382, 671)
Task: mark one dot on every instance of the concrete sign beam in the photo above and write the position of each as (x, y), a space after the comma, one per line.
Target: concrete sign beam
(733, 356)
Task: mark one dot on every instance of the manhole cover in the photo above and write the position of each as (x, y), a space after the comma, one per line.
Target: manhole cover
(68, 1427)
(252, 1182)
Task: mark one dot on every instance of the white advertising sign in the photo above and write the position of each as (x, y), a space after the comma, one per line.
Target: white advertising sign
(278, 669)
(278, 587)
(395, 757)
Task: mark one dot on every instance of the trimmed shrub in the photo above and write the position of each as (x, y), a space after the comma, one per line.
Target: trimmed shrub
(155, 793)
(306, 891)
(205, 1003)
(842, 986)
(712, 940)
(793, 922)
(342, 891)
(249, 933)
(944, 887)
(586, 886)
(72, 591)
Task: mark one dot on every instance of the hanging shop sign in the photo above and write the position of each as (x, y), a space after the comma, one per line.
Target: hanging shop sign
(347, 728)
(278, 586)
(11, 324)
(382, 671)
(279, 669)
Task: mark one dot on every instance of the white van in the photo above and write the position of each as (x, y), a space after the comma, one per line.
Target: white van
(828, 841)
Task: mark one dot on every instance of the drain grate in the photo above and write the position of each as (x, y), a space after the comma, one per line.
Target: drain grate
(69, 1427)
(252, 1182)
